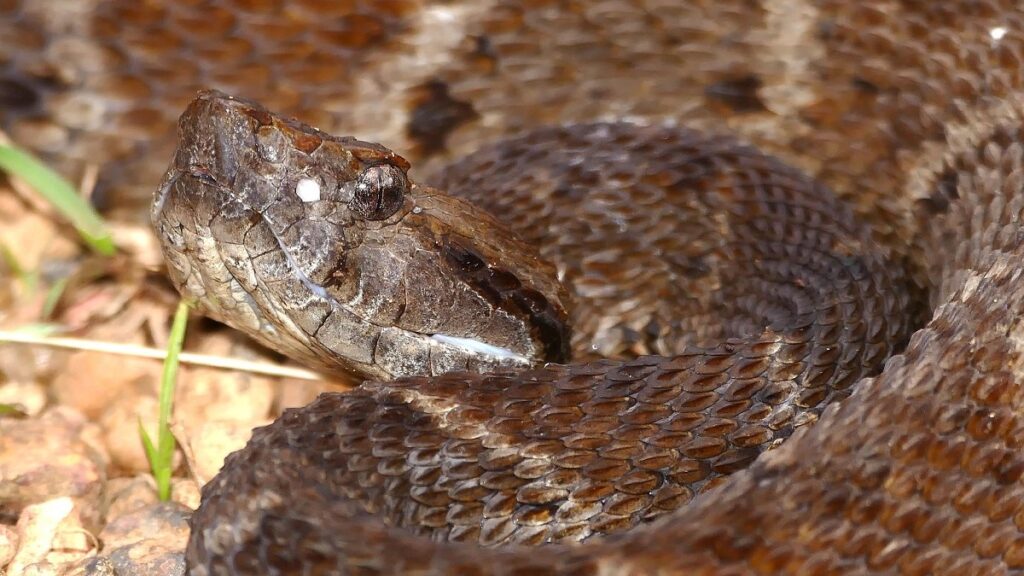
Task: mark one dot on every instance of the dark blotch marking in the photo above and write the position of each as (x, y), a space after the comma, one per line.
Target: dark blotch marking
(865, 86)
(943, 195)
(484, 48)
(691, 267)
(18, 95)
(483, 57)
(532, 300)
(504, 281)
(503, 290)
(738, 94)
(435, 114)
(461, 258)
(826, 30)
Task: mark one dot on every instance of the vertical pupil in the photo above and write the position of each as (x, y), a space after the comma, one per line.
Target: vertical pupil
(380, 191)
(379, 184)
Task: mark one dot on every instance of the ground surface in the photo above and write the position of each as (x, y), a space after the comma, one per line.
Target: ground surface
(76, 492)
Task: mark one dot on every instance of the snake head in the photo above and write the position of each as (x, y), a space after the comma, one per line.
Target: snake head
(324, 249)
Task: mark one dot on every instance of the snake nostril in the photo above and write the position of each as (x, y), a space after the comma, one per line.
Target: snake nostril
(203, 174)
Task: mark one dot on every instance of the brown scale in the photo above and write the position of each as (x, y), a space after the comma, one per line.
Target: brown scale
(807, 307)
(908, 110)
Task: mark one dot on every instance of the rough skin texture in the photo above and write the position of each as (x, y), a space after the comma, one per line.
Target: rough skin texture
(910, 111)
(558, 454)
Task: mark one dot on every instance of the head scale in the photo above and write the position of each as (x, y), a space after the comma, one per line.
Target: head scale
(323, 248)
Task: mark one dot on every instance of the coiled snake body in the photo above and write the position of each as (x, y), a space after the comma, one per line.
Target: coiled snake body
(754, 298)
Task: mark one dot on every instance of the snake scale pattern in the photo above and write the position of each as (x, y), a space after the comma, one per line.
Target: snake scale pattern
(781, 241)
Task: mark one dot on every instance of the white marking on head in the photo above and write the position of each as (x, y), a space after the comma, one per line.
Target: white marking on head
(479, 347)
(997, 33)
(308, 190)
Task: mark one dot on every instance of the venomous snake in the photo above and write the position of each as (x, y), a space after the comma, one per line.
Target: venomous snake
(735, 298)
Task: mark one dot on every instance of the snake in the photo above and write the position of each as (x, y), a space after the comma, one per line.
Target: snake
(635, 287)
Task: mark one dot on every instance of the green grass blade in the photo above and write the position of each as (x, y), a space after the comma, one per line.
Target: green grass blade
(147, 443)
(61, 195)
(11, 410)
(38, 329)
(53, 298)
(161, 456)
(28, 278)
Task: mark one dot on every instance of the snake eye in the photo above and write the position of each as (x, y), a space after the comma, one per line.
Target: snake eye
(380, 191)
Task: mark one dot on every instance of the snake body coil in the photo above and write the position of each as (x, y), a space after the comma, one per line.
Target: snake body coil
(735, 299)
(559, 453)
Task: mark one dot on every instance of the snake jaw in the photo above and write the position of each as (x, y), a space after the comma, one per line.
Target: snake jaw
(481, 347)
(321, 248)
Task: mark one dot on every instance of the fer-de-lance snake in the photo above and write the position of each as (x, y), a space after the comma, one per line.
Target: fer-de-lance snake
(736, 297)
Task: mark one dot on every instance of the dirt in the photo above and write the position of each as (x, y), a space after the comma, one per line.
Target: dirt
(76, 492)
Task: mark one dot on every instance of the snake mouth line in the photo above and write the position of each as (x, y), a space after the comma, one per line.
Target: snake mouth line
(478, 346)
(433, 339)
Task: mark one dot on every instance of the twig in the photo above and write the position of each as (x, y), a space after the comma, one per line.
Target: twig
(156, 353)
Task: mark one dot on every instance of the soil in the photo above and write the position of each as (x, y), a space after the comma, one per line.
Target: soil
(76, 491)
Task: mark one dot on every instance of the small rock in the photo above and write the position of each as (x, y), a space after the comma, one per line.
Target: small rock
(217, 394)
(148, 558)
(149, 541)
(49, 457)
(95, 566)
(212, 441)
(211, 394)
(43, 568)
(8, 544)
(92, 382)
(71, 542)
(138, 241)
(29, 363)
(126, 495)
(185, 492)
(166, 521)
(24, 228)
(29, 397)
(50, 537)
